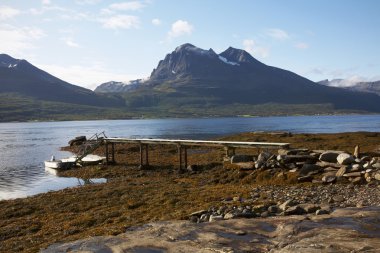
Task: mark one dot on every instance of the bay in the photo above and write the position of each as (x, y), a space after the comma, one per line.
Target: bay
(24, 146)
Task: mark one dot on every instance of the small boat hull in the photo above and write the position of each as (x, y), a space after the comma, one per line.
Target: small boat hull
(53, 164)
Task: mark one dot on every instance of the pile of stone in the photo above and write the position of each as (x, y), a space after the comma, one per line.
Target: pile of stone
(317, 166)
(277, 200)
(289, 207)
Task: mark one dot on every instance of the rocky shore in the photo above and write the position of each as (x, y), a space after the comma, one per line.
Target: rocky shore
(304, 199)
(344, 230)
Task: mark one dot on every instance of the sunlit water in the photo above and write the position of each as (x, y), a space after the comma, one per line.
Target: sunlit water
(24, 146)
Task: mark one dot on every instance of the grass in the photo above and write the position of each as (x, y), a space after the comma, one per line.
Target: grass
(133, 197)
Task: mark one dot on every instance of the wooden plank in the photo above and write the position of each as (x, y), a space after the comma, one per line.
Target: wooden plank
(233, 144)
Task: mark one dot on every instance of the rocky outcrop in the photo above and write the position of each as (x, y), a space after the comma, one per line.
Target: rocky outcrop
(319, 166)
(344, 230)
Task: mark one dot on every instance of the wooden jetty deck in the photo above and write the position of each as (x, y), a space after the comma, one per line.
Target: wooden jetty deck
(183, 146)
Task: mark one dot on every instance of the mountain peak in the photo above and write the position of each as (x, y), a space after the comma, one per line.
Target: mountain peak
(238, 55)
(187, 47)
(7, 61)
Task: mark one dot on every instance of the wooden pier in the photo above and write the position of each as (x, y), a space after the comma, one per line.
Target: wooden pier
(183, 146)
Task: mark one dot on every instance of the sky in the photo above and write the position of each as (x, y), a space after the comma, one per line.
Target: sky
(88, 42)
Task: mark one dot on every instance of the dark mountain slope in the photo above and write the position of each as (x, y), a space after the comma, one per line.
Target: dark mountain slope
(234, 76)
(21, 77)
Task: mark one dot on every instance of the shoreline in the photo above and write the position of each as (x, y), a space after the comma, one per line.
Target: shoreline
(205, 117)
(134, 197)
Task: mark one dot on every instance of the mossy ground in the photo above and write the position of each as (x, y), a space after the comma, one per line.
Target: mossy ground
(133, 196)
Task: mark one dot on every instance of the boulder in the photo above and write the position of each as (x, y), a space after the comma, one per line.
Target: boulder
(287, 204)
(356, 167)
(273, 209)
(343, 170)
(294, 210)
(353, 174)
(79, 140)
(345, 159)
(304, 179)
(299, 158)
(328, 179)
(321, 211)
(377, 176)
(241, 158)
(329, 156)
(216, 218)
(309, 208)
(309, 168)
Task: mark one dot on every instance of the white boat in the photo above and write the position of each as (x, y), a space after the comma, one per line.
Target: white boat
(88, 159)
(55, 164)
(66, 163)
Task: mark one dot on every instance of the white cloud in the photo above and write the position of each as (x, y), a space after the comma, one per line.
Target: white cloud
(156, 22)
(7, 12)
(277, 34)
(127, 6)
(89, 76)
(301, 45)
(121, 22)
(251, 47)
(180, 28)
(46, 2)
(85, 2)
(70, 42)
(16, 40)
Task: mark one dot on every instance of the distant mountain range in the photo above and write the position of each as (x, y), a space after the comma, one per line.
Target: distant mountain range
(188, 82)
(193, 76)
(21, 77)
(369, 87)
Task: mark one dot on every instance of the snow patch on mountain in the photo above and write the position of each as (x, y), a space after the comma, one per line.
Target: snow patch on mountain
(223, 59)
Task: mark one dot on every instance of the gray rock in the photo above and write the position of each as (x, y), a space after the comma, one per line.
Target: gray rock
(329, 156)
(241, 158)
(328, 179)
(264, 214)
(304, 179)
(377, 176)
(376, 165)
(343, 170)
(345, 159)
(294, 210)
(273, 209)
(215, 218)
(308, 168)
(204, 218)
(356, 167)
(287, 204)
(229, 215)
(194, 219)
(309, 208)
(198, 213)
(353, 174)
(321, 212)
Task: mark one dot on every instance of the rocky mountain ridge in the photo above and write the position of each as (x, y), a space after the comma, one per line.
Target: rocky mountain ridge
(192, 75)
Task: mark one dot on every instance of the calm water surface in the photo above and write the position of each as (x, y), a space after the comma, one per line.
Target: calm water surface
(24, 146)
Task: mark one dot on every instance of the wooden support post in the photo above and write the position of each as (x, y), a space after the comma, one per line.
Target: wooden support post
(146, 155)
(113, 152)
(141, 155)
(180, 156)
(185, 154)
(107, 160)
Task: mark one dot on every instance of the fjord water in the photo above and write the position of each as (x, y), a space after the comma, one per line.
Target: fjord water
(24, 146)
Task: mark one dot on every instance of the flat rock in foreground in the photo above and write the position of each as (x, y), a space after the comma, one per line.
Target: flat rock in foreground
(344, 230)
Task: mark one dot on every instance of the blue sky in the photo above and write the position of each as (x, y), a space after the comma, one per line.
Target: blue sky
(87, 42)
